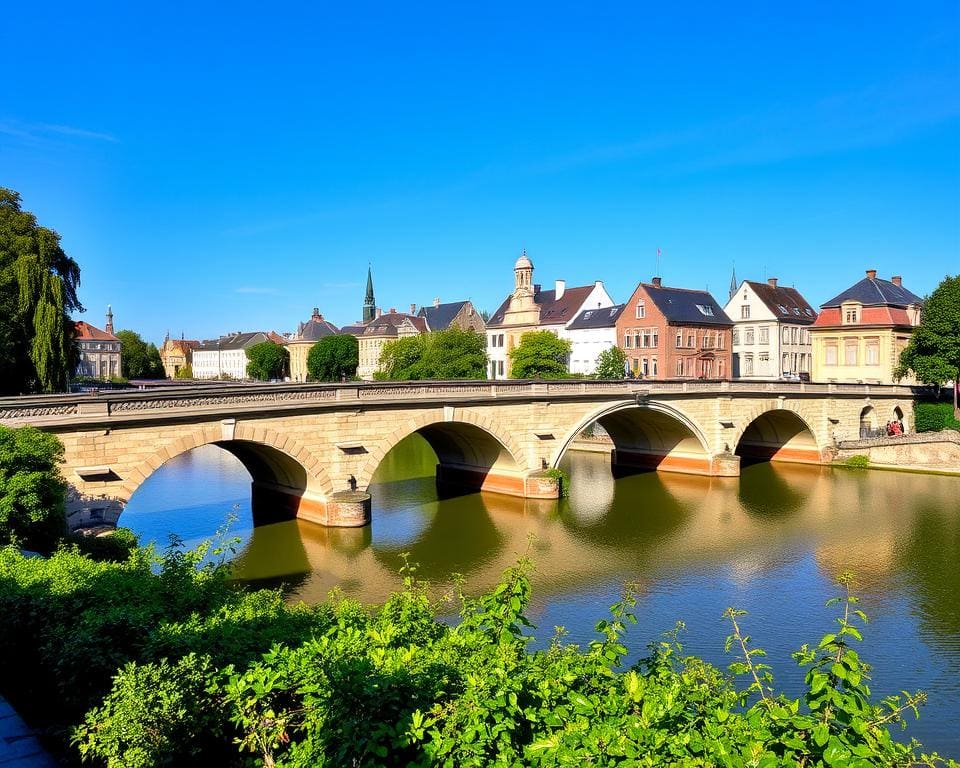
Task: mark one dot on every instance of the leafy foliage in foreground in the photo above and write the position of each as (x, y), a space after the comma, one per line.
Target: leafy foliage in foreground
(540, 354)
(173, 667)
(449, 354)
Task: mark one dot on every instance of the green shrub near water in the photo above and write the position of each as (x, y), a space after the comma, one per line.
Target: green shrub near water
(858, 461)
(934, 417)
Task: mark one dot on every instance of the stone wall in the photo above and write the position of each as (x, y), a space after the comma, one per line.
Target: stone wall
(938, 451)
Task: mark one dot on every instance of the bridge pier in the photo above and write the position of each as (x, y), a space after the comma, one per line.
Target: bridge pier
(274, 503)
(721, 465)
(469, 479)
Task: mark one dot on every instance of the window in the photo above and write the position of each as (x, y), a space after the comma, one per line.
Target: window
(641, 309)
(653, 366)
(679, 339)
(736, 337)
(645, 367)
(707, 341)
(783, 309)
(500, 367)
(851, 315)
(745, 312)
(719, 369)
(691, 340)
(749, 339)
(656, 338)
(872, 351)
(705, 310)
(679, 366)
(720, 341)
(850, 352)
(786, 363)
(637, 339)
(628, 341)
(764, 335)
(500, 340)
(748, 364)
(830, 352)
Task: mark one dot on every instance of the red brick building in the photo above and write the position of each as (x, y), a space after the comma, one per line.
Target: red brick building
(675, 333)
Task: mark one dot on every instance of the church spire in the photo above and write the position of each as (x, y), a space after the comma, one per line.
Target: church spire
(109, 328)
(369, 302)
(733, 282)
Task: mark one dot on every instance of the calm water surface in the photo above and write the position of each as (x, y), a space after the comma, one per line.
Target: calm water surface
(771, 542)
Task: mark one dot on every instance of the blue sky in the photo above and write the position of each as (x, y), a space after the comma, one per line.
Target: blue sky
(216, 171)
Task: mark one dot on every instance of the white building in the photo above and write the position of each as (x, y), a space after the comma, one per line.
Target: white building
(226, 356)
(590, 333)
(771, 332)
(529, 308)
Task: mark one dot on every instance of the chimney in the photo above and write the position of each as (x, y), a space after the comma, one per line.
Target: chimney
(413, 309)
(379, 311)
(316, 314)
(109, 328)
(871, 274)
(656, 282)
(393, 310)
(561, 288)
(536, 288)
(436, 302)
(897, 280)
(772, 281)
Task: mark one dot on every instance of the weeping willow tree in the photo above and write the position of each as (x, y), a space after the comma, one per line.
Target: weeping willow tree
(38, 291)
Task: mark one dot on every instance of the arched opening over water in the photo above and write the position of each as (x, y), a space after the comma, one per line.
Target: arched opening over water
(643, 438)
(275, 481)
(469, 458)
(779, 435)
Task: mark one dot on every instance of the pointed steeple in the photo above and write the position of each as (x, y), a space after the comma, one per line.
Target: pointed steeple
(109, 328)
(369, 302)
(733, 282)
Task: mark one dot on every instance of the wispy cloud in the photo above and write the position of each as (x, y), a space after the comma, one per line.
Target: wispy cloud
(258, 290)
(340, 286)
(45, 131)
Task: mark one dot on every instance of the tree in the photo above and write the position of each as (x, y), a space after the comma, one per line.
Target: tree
(32, 489)
(266, 361)
(185, 373)
(933, 354)
(449, 354)
(38, 291)
(611, 364)
(402, 359)
(540, 355)
(334, 358)
(456, 354)
(138, 359)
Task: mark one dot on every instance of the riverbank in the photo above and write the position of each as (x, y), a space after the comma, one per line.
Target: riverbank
(920, 452)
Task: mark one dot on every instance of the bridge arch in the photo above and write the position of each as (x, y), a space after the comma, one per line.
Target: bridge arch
(474, 452)
(648, 435)
(283, 472)
(778, 434)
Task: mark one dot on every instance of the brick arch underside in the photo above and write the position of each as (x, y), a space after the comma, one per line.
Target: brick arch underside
(650, 437)
(273, 461)
(780, 434)
(473, 453)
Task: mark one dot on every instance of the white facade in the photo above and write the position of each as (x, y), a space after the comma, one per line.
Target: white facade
(225, 357)
(770, 342)
(590, 333)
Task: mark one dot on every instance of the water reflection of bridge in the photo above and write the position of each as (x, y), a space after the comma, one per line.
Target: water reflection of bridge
(638, 527)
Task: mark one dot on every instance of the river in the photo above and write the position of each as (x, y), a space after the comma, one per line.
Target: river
(771, 542)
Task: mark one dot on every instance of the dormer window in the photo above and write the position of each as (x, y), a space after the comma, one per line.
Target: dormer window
(705, 310)
(851, 314)
(641, 309)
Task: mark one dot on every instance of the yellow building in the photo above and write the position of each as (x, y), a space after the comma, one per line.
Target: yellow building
(386, 326)
(301, 342)
(859, 335)
(176, 355)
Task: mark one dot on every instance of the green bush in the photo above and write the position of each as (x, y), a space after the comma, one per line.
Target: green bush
(115, 546)
(32, 490)
(934, 417)
(859, 461)
(156, 660)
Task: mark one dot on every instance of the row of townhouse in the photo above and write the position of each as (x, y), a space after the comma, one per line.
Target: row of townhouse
(765, 331)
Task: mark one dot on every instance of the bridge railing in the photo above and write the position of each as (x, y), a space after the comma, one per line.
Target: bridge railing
(219, 397)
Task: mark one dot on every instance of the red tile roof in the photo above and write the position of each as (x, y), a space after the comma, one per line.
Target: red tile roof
(87, 332)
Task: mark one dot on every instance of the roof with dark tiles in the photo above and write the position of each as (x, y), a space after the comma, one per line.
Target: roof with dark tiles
(439, 316)
(605, 317)
(553, 311)
(785, 303)
(683, 305)
(874, 291)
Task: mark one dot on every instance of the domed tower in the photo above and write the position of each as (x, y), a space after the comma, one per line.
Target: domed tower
(523, 275)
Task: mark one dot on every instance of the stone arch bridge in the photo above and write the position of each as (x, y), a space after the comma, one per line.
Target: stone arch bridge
(312, 449)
